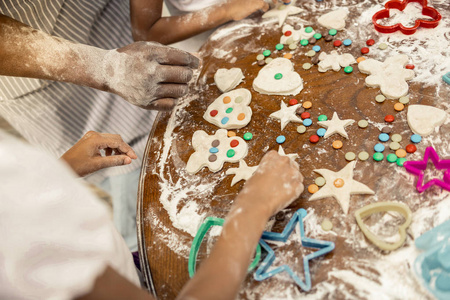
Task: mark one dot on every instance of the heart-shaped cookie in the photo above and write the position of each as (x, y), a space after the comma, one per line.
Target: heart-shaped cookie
(226, 80)
(423, 119)
(278, 78)
(373, 208)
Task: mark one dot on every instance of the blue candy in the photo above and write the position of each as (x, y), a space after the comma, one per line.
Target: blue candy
(415, 138)
(321, 131)
(281, 139)
(379, 148)
(307, 122)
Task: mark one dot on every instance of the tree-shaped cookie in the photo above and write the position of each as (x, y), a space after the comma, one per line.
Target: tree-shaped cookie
(278, 78)
(230, 110)
(335, 61)
(389, 75)
(294, 33)
(213, 150)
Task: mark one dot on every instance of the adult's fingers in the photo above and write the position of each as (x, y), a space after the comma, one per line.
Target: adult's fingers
(102, 162)
(174, 74)
(164, 104)
(171, 56)
(171, 90)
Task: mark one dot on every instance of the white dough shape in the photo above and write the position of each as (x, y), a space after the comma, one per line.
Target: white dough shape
(203, 143)
(281, 12)
(292, 156)
(335, 61)
(290, 84)
(336, 125)
(226, 80)
(423, 119)
(244, 172)
(341, 194)
(230, 110)
(334, 19)
(389, 75)
(286, 114)
(296, 35)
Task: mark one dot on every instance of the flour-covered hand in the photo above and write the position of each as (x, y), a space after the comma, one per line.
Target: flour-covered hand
(275, 184)
(148, 74)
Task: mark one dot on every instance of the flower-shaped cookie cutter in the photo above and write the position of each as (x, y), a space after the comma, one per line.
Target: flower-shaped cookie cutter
(207, 224)
(373, 208)
(400, 5)
(418, 168)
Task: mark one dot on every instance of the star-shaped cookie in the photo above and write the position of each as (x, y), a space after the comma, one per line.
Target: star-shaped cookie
(282, 11)
(244, 172)
(336, 125)
(281, 152)
(286, 114)
(341, 186)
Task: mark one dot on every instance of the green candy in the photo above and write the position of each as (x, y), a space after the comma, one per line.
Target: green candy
(231, 153)
(322, 118)
(248, 136)
(392, 158)
(378, 156)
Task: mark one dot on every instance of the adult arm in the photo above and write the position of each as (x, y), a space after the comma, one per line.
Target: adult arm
(148, 75)
(148, 24)
(276, 183)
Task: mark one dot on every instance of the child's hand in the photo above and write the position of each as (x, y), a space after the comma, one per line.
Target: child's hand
(85, 157)
(148, 74)
(276, 183)
(238, 9)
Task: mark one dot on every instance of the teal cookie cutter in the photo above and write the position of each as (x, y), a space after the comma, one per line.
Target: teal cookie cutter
(207, 224)
(433, 266)
(264, 271)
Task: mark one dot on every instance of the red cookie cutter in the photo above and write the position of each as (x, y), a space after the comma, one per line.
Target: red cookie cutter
(400, 5)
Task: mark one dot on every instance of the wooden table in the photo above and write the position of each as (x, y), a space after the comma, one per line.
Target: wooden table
(329, 92)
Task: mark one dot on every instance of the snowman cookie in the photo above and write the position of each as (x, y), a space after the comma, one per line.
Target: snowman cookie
(278, 78)
(230, 110)
(213, 150)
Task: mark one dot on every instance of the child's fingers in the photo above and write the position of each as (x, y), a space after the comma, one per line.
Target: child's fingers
(111, 161)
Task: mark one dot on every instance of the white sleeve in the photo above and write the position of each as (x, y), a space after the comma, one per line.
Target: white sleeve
(56, 237)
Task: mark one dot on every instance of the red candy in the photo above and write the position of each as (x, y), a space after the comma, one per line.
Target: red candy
(364, 50)
(411, 148)
(293, 102)
(370, 42)
(288, 33)
(337, 43)
(389, 118)
(410, 66)
(234, 143)
(213, 113)
(305, 115)
(314, 138)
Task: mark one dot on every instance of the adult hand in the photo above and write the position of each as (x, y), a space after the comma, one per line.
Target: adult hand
(148, 74)
(275, 184)
(85, 156)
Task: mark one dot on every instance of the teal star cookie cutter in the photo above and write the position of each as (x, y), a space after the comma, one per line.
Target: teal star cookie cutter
(297, 220)
(207, 224)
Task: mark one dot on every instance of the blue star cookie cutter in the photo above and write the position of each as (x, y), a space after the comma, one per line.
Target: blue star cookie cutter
(433, 266)
(297, 220)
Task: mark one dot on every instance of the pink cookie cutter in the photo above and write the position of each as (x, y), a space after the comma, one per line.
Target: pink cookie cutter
(418, 168)
(400, 5)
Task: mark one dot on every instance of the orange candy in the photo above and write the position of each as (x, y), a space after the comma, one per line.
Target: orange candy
(400, 153)
(360, 59)
(231, 133)
(313, 188)
(337, 144)
(287, 55)
(399, 106)
(226, 100)
(339, 183)
(241, 116)
(307, 104)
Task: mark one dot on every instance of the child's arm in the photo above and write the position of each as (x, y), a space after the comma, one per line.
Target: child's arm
(148, 25)
(276, 183)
